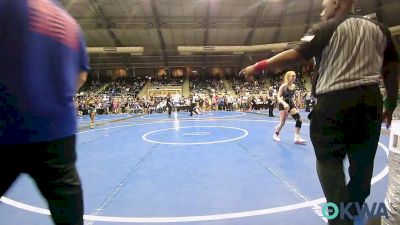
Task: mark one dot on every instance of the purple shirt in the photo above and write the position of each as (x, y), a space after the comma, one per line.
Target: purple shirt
(42, 53)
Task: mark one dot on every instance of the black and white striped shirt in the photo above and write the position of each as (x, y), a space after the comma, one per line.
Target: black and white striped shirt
(349, 51)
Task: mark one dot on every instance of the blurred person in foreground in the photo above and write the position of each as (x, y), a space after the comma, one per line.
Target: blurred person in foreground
(43, 63)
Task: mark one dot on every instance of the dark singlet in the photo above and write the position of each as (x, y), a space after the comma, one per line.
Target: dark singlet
(92, 104)
(288, 95)
(288, 98)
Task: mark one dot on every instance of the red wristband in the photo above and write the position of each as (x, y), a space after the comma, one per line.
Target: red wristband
(260, 66)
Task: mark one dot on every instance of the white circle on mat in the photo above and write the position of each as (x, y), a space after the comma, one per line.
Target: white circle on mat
(146, 138)
(180, 219)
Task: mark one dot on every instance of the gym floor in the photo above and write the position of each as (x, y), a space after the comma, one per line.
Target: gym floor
(218, 168)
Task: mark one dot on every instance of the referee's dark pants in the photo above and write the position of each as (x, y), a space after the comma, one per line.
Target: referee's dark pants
(270, 108)
(52, 165)
(191, 109)
(169, 110)
(348, 123)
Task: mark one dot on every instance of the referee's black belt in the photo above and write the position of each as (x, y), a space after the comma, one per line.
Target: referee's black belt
(352, 89)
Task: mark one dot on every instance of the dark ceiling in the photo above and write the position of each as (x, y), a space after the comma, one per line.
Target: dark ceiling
(160, 26)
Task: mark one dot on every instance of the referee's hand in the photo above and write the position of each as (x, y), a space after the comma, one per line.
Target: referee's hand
(248, 73)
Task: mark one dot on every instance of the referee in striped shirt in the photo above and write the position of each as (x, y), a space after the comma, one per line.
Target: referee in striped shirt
(352, 54)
